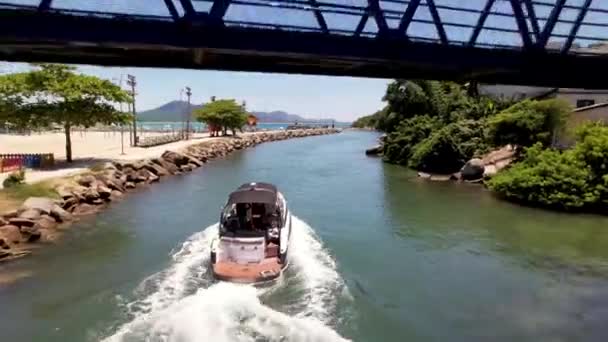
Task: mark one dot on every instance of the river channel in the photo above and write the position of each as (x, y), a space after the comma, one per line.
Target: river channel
(378, 255)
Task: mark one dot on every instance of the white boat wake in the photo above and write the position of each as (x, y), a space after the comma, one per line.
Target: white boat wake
(182, 303)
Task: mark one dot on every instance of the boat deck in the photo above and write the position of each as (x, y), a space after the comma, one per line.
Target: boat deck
(268, 269)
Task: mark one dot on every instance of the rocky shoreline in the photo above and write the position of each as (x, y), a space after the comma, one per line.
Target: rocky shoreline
(41, 219)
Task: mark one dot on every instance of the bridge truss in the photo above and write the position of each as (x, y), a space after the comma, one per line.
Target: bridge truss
(533, 42)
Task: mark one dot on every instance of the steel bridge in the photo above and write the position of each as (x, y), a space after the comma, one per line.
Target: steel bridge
(530, 42)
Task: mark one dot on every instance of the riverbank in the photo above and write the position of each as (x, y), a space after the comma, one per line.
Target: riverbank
(41, 219)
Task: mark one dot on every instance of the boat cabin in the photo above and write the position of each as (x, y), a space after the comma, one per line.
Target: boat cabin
(253, 210)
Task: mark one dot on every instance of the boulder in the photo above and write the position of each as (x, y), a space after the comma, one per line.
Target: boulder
(64, 192)
(170, 167)
(3, 222)
(84, 209)
(10, 214)
(473, 169)
(424, 175)
(130, 185)
(86, 180)
(60, 214)
(91, 195)
(10, 234)
(374, 150)
(156, 169)
(153, 178)
(45, 222)
(176, 158)
(21, 222)
(97, 201)
(70, 202)
(30, 214)
(116, 195)
(186, 168)
(104, 192)
(30, 234)
(42, 204)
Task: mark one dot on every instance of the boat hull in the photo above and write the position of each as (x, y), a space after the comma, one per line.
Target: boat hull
(267, 270)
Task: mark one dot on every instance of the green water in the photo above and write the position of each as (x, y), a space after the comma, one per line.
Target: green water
(378, 256)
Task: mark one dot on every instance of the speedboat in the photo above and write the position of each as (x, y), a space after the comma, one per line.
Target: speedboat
(254, 234)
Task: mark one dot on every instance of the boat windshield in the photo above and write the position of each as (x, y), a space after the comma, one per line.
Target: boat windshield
(249, 219)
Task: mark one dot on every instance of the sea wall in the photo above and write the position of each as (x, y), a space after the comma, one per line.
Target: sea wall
(41, 220)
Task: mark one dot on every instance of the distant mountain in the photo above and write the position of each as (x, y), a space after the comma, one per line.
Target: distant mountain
(172, 111)
(176, 111)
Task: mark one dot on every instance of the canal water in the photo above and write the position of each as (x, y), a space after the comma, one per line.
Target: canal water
(378, 255)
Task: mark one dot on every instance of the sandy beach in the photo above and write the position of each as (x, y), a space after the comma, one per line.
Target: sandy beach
(88, 148)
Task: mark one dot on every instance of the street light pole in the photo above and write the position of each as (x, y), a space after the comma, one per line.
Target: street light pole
(131, 82)
(189, 94)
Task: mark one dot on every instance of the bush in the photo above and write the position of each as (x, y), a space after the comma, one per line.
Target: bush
(399, 144)
(448, 149)
(14, 179)
(573, 179)
(528, 122)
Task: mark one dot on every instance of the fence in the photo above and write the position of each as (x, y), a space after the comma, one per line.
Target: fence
(12, 162)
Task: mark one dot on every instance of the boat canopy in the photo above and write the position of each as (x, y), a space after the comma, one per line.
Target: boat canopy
(254, 193)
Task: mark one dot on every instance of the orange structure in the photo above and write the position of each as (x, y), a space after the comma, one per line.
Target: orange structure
(252, 120)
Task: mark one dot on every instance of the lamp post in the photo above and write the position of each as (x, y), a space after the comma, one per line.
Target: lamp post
(189, 94)
(132, 83)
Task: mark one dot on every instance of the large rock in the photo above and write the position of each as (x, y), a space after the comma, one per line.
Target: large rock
(104, 192)
(116, 195)
(130, 185)
(21, 222)
(156, 169)
(170, 167)
(42, 204)
(473, 169)
(85, 209)
(30, 234)
(3, 221)
(60, 214)
(10, 234)
(142, 176)
(91, 195)
(45, 222)
(374, 150)
(30, 214)
(86, 180)
(176, 158)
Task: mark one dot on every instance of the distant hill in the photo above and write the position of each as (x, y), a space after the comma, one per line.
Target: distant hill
(175, 111)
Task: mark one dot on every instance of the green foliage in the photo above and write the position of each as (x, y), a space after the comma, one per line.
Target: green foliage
(447, 149)
(14, 179)
(528, 122)
(573, 179)
(22, 192)
(399, 144)
(225, 113)
(56, 94)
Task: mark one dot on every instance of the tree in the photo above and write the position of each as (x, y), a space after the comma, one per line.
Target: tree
(225, 113)
(56, 94)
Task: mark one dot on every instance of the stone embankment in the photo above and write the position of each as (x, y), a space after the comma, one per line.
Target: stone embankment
(41, 219)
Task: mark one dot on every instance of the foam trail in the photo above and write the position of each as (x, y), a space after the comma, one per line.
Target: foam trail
(180, 304)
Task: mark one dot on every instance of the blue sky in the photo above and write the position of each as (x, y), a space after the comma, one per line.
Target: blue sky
(342, 98)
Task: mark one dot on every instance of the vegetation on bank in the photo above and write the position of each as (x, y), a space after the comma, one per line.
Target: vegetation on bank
(437, 126)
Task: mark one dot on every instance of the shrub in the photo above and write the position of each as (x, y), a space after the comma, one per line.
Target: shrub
(528, 122)
(399, 144)
(573, 179)
(14, 179)
(448, 149)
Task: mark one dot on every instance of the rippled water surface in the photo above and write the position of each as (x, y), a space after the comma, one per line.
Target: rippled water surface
(377, 256)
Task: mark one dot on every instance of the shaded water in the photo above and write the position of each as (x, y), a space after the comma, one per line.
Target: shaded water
(378, 256)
